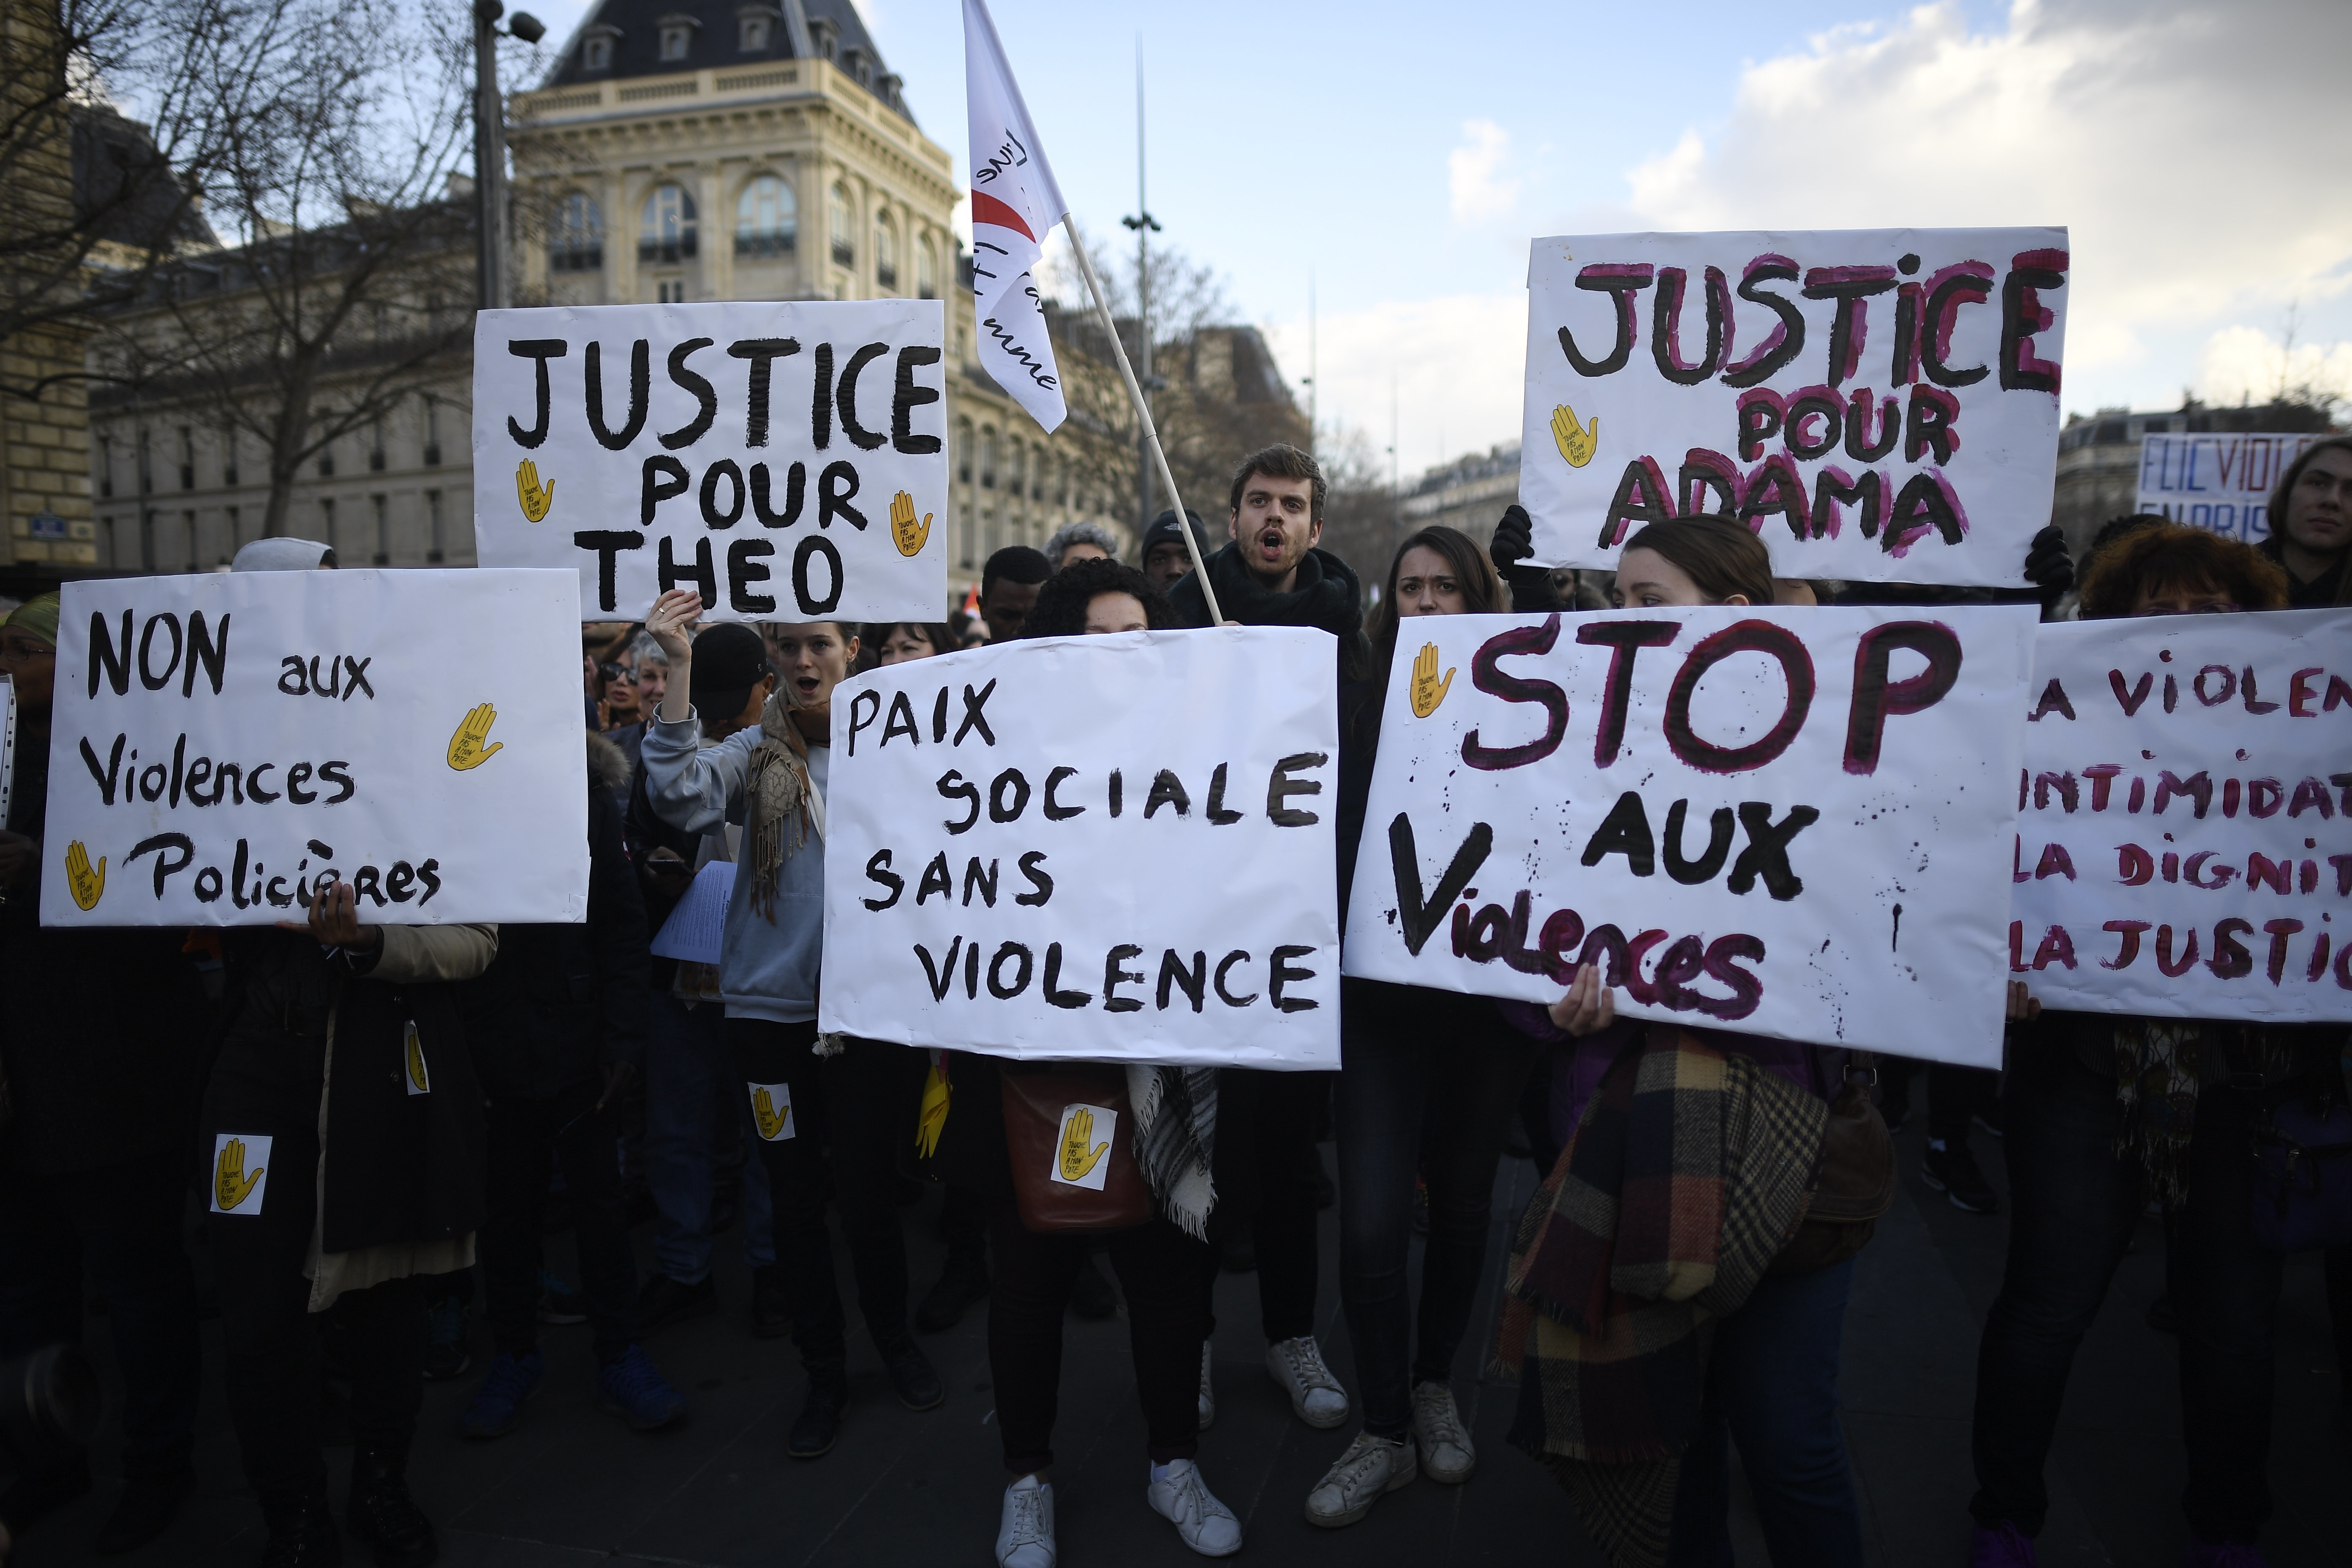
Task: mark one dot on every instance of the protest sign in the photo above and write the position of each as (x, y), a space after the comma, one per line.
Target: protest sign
(2218, 482)
(2185, 831)
(225, 743)
(1879, 403)
(1112, 848)
(1773, 821)
(786, 460)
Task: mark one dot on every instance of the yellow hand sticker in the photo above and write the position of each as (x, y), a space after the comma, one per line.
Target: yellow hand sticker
(420, 1081)
(466, 748)
(535, 497)
(933, 1115)
(1577, 443)
(1428, 691)
(231, 1184)
(87, 886)
(770, 1121)
(1078, 1161)
(903, 527)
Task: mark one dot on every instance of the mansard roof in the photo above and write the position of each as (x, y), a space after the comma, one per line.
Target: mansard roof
(798, 29)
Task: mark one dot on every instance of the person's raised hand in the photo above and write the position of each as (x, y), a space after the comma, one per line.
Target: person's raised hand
(2024, 1008)
(334, 922)
(2048, 567)
(1077, 1160)
(668, 621)
(1514, 541)
(1588, 1006)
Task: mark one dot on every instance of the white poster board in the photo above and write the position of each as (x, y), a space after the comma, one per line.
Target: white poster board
(1101, 849)
(223, 742)
(789, 460)
(2184, 842)
(2218, 482)
(1879, 403)
(1772, 821)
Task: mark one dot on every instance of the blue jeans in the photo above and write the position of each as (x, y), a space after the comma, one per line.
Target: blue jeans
(690, 1077)
(1772, 1387)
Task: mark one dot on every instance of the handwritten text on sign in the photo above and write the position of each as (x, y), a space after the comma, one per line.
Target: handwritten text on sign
(1773, 820)
(2221, 482)
(1879, 403)
(2185, 837)
(226, 744)
(1114, 849)
(787, 461)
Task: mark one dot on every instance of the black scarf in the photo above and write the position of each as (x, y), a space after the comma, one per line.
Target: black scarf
(1324, 594)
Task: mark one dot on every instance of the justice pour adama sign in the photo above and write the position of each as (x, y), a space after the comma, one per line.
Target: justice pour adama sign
(1878, 404)
(789, 461)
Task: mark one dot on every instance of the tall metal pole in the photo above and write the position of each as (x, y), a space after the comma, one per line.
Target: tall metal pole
(1143, 228)
(1314, 381)
(490, 160)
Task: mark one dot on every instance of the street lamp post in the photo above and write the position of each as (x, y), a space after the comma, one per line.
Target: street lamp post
(490, 147)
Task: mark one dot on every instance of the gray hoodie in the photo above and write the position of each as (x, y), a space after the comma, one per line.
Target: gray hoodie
(766, 969)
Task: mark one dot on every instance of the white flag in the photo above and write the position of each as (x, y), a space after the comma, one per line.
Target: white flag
(1014, 205)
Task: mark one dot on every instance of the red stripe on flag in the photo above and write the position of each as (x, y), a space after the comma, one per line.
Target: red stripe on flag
(987, 210)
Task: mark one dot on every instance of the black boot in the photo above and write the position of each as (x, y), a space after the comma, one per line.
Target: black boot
(382, 1512)
(812, 1436)
(302, 1533)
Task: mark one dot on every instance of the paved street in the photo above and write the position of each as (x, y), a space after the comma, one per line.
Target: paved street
(572, 1488)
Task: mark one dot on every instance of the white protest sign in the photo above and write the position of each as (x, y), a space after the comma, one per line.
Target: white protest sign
(223, 743)
(787, 461)
(1879, 403)
(2184, 842)
(2218, 482)
(1774, 821)
(1101, 849)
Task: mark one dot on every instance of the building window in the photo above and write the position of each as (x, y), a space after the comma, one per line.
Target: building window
(106, 464)
(1014, 469)
(187, 458)
(439, 550)
(988, 460)
(670, 291)
(578, 243)
(926, 270)
(235, 529)
(188, 537)
(147, 538)
(596, 54)
(146, 470)
(963, 451)
(757, 27)
(970, 539)
(766, 218)
(383, 531)
(375, 445)
(886, 252)
(327, 461)
(836, 218)
(677, 39)
(327, 525)
(666, 230)
(228, 455)
(432, 431)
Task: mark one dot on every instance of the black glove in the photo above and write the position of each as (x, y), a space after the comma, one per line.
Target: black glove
(2048, 567)
(1514, 541)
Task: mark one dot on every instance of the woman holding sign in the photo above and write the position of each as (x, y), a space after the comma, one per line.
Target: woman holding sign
(1428, 1085)
(2104, 1110)
(828, 1124)
(1625, 1097)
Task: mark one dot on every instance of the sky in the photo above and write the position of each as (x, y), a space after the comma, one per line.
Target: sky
(1403, 156)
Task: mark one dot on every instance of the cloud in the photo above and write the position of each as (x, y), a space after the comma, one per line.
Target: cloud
(2246, 364)
(1458, 364)
(1475, 174)
(2194, 151)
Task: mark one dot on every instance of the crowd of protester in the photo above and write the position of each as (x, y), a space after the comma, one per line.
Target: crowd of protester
(701, 1094)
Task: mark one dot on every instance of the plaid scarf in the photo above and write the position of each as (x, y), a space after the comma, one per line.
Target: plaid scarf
(1688, 1170)
(1176, 1138)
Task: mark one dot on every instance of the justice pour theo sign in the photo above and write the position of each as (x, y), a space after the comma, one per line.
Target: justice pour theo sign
(789, 461)
(1878, 403)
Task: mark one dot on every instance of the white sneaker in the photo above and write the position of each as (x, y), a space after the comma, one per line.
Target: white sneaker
(1182, 1498)
(1371, 1468)
(1315, 1394)
(1208, 1393)
(1445, 1449)
(1026, 1538)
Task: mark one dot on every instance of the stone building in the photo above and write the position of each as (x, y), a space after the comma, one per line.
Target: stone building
(678, 151)
(2098, 456)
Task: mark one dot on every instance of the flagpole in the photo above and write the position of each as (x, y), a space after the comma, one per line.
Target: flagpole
(1143, 413)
